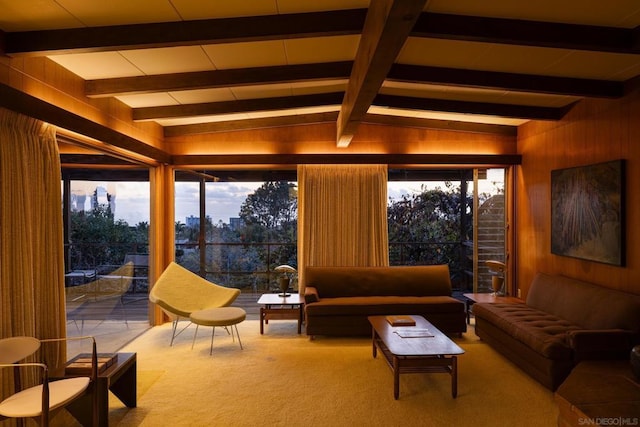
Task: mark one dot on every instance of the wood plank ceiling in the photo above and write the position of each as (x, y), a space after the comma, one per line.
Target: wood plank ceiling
(203, 67)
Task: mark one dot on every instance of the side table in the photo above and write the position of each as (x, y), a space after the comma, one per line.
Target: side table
(274, 306)
(489, 297)
(119, 378)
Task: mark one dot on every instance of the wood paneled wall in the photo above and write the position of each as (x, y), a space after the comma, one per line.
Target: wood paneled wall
(594, 131)
(321, 138)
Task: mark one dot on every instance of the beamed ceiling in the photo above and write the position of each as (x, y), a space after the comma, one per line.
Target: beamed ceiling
(198, 68)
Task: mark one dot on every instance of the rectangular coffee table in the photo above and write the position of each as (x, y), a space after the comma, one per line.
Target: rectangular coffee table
(275, 306)
(415, 354)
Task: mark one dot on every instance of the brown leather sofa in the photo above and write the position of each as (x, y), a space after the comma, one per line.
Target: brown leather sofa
(564, 321)
(338, 300)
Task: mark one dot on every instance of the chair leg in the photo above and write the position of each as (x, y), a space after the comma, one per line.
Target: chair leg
(213, 332)
(173, 332)
(194, 337)
(175, 327)
(236, 327)
(124, 311)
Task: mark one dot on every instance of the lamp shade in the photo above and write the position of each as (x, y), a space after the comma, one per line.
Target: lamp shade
(496, 266)
(285, 269)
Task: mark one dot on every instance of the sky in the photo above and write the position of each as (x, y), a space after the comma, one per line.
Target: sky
(223, 199)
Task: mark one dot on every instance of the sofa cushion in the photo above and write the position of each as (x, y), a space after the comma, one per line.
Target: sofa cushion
(334, 282)
(542, 332)
(585, 304)
(370, 306)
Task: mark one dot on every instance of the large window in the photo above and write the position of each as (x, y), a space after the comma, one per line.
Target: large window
(106, 259)
(235, 233)
(438, 217)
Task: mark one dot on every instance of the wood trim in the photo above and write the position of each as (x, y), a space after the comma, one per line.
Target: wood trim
(396, 160)
(29, 105)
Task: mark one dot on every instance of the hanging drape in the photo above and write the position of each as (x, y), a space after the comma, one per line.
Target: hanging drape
(31, 235)
(342, 216)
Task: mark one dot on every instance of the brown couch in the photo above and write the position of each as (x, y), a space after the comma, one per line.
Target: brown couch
(339, 299)
(563, 322)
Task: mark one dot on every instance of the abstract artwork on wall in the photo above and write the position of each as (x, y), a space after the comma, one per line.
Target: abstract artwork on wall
(587, 212)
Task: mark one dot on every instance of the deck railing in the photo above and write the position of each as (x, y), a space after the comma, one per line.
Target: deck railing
(250, 266)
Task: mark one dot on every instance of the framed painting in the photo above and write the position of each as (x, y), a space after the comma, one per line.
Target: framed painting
(587, 212)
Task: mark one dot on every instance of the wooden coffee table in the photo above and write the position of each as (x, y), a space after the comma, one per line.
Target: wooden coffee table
(275, 306)
(435, 353)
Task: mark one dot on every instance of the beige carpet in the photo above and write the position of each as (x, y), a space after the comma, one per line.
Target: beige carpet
(284, 379)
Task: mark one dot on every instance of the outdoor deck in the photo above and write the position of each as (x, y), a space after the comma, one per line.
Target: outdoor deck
(116, 324)
(135, 306)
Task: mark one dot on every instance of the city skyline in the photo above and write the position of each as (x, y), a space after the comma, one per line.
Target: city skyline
(223, 198)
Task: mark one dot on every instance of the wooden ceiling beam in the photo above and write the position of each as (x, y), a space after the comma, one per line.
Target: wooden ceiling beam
(469, 107)
(506, 81)
(451, 125)
(386, 28)
(341, 70)
(31, 106)
(241, 106)
(261, 123)
(527, 33)
(217, 79)
(334, 98)
(305, 119)
(317, 24)
(184, 33)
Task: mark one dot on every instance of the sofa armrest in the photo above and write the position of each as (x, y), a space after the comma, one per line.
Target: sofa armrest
(601, 344)
(311, 295)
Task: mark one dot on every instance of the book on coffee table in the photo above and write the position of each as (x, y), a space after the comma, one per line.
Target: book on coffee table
(414, 333)
(401, 320)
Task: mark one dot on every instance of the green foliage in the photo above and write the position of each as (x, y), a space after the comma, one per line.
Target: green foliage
(270, 211)
(270, 215)
(97, 239)
(427, 228)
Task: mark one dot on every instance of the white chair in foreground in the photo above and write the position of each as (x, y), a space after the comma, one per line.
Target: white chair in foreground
(39, 401)
(180, 292)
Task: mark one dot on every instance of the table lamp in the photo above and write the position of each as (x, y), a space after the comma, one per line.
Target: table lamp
(284, 279)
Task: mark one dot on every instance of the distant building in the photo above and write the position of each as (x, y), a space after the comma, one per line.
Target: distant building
(192, 221)
(235, 223)
(103, 197)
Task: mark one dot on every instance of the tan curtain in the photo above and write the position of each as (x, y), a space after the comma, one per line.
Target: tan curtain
(342, 216)
(31, 240)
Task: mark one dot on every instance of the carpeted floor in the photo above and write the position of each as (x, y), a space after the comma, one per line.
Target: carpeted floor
(284, 379)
